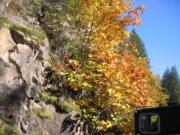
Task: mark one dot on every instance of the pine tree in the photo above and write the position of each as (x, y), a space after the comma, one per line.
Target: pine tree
(136, 40)
(165, 80)
(171, 85)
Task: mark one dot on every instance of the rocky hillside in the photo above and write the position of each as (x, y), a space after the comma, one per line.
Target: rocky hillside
(24, 55)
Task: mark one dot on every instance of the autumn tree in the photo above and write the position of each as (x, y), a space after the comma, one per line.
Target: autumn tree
(109, 84)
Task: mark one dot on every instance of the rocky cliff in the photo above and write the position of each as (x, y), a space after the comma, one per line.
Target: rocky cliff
(24, 56)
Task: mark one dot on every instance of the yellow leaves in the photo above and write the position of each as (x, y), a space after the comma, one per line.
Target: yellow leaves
(127, 34)
(103, 125)
(110, 84)
(110, 90)
(126, 44)
(86, 85)
(90, 55)
(74, 64)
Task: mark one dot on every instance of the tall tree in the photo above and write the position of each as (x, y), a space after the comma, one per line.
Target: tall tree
(171, 84)
(109, 84)
(136, 40)
(165, 80)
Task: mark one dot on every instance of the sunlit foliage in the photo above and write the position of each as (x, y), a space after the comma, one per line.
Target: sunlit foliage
(109, 83)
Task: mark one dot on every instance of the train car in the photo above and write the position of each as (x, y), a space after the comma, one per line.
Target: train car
(158, 121)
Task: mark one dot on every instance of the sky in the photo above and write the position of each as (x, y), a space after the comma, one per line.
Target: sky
(160, 33)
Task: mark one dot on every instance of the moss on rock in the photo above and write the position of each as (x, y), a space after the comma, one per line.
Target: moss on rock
(65, 106)
(36, 33)
(43, 113)
(8, 128)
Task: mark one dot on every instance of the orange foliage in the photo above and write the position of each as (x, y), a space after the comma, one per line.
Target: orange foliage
(112, 83)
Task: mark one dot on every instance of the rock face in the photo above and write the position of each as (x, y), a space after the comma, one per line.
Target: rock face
(11, 82)
(22, 61)
(21, 66)
(5, 3)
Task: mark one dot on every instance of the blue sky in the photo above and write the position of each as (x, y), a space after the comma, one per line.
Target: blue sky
(160, 33)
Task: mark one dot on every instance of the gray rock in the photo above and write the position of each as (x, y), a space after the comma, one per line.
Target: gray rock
(20, 74)
(23, 126)
(3, 5)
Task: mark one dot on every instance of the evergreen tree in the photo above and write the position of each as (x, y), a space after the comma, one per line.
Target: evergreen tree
(171, 84)
(165, 80)
(136, 40)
